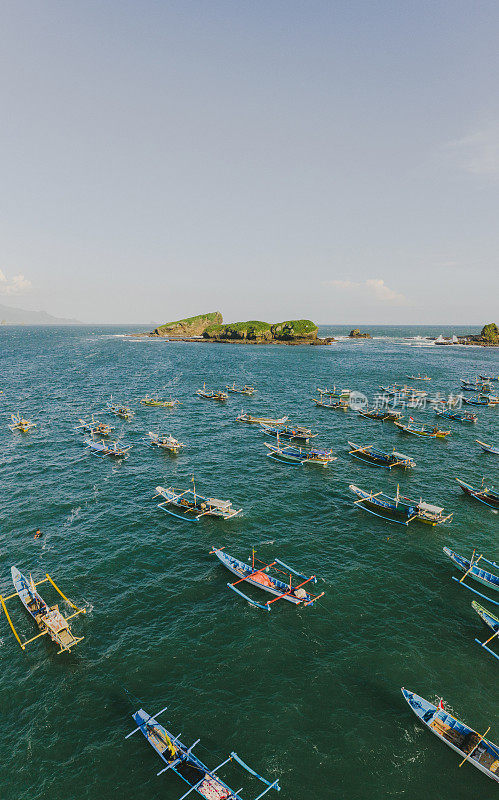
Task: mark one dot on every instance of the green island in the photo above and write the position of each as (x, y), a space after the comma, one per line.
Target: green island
(211, 328)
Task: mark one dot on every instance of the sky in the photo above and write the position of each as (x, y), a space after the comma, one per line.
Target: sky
(337, 161)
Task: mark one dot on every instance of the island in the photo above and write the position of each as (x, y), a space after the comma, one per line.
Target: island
(211, 328)
(488, 337)
(356, 334)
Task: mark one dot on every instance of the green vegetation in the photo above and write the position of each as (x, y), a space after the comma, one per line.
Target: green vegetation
(257, 331)
(490, 333)
(191, 326)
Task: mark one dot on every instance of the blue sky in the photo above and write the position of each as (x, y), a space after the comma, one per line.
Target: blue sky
(338, 161)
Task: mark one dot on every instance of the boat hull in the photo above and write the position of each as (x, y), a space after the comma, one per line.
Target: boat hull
(241, 568)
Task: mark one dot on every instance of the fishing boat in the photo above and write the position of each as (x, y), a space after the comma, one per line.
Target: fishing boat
(382, 414)
(297, 455)
(191, 506)
(418, 377)
(247, 390)
(332, 405)
(488, 378)
(119, 410)
(474, 386)
(471, 569)
(94, 427)
(335, 393)
(483, 494)
(153, 401)
(492, 621)
(102, 448)
(49, 619)
(222, 397)
(475, 748)
(165, 441)
(181, 760)
(488, 448)
(260, 577)
(18, 423)
(298, 432)
(250, 420)
(399, 508)
(380, 458)
(422, 430)
(490, 400)
(458, 416)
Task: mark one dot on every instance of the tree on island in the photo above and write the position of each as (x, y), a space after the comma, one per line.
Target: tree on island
(490, 333)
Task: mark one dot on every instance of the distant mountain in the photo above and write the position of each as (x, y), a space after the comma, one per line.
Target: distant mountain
(18, 316)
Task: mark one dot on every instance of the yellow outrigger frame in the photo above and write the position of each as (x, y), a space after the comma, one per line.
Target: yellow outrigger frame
(43, 633)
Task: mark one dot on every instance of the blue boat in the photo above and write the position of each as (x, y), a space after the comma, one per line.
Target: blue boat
(488, 448)
(380, 458)
(400, 509)
(458, 416)
(298, 432)
(296, 455)
(474, 747)
(483, 494)
(102, 448)
(471, 569)
(492, 621)
(260, 577)
(181, 760)
(191, 506)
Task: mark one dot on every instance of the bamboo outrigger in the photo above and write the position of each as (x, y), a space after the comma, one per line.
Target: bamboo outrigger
(492, 621)
(124, 412)
(193, 506)
(49, 619)
(102, 448)
(247, 390)
(18, 423)
(222, 397)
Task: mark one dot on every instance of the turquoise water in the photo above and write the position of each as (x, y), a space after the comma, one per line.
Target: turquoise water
(310, 695)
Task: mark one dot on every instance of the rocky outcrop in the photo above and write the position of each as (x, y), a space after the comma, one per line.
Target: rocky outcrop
(357, 334)
(191, 326)
(488, 337)
(294, 331)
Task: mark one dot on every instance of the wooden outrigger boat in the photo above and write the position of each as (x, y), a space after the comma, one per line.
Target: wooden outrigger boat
(153, 401)
(490, 400)
(459, 416)
(102, 448)
(247, 390)
(49, 619)
(475, 386)
(423, 430)
(492, 621)
(250, 420)
(475, 748)
(380, 458)
(119, 410)
(488, 448)
(222, 397)
(485, 495)
(418, 377)
(166, 441)
(382, 415)
(399, 508)
(18, 423)
(181, 760)
(471, 569)
(297, 455)
(259, 576)
(335, 393)
(488, 378)
(298, 432)
(333, 405)
(94, 427)
(193, 506)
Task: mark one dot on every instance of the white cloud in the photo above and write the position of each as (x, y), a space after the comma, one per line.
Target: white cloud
(370, 287)
(477, 153)
(18, 284)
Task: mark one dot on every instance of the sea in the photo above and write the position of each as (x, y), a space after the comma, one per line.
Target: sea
(308, 695)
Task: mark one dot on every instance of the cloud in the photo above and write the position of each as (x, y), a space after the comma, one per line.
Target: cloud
(370, 287)
(18, 284)
(477, 153)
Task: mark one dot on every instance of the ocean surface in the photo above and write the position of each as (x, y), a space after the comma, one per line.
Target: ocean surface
(309, 695)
